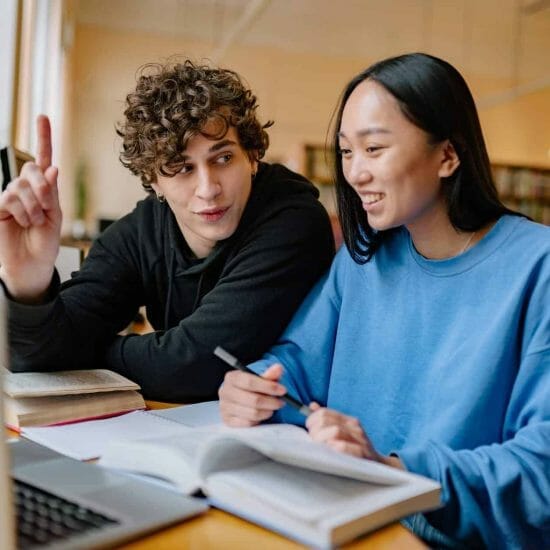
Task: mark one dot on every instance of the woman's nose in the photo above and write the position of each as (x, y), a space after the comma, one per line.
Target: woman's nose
(358, 172)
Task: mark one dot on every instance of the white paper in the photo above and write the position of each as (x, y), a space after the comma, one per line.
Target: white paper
(89, 439)
(197, 415)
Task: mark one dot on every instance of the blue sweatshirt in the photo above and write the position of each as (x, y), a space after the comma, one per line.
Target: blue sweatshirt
(447, 364)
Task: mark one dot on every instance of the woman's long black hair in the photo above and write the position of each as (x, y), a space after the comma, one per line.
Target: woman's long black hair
(432, 94)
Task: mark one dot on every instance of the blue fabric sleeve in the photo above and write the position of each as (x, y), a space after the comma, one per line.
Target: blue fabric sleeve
(306, 347)
(501, 491)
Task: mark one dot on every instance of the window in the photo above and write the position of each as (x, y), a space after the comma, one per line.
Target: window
(40, 56)
(8, 37)
(30, 67)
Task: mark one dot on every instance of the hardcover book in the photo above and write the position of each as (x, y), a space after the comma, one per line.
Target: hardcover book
(277, 477)
(41, 399)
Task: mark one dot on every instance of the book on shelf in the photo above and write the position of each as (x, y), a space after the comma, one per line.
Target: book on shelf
(41, 399)
(277, 477)
(524, 188)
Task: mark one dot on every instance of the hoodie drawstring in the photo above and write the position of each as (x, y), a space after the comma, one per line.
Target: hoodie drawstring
(171, 276)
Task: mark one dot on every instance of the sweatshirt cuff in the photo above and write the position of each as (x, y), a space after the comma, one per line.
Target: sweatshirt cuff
(287, 414)
(419, 460)
(114, 359)
(34, 315)
(260, 366)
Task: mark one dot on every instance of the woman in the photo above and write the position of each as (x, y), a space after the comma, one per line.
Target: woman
(427, 346)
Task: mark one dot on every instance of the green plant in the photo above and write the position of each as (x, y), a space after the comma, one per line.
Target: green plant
(81, 191)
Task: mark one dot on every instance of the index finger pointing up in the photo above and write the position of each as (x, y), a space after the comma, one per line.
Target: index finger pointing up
(44, 142)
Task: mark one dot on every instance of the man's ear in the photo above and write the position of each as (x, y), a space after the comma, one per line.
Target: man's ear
(450, 160)
(254, 162)
(155, 187)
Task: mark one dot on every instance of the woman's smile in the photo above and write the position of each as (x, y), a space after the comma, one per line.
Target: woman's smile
(369, 199)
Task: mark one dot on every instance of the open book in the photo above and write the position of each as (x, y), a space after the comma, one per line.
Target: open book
(40, 399)
(276, 476)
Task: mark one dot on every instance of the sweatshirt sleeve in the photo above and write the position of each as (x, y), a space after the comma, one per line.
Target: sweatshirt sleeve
(72, 329)
(260, 288)
(248, 308)
(498, 495)
(306, 347)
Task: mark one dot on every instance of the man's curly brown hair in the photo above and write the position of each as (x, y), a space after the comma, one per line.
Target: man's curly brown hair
(172, 103)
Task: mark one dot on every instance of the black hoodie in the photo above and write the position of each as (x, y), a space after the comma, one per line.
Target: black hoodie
(240, 297)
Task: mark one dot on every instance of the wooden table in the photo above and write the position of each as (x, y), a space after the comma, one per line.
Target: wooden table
(216, 529)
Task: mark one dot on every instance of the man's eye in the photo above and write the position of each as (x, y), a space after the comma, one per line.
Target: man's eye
(224, 159)
(186, 168)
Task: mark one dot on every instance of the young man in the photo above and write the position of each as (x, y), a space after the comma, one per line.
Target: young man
(221, 252)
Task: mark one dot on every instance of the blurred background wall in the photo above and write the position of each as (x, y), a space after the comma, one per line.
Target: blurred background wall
(296, 55)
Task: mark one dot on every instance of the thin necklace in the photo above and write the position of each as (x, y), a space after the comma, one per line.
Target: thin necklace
(465, 247)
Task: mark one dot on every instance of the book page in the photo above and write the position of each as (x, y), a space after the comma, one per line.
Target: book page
(313, 508)
(164, 459)
(172, 458)
(174, 455)
(301, 493)
(35, 384)
(292, 445)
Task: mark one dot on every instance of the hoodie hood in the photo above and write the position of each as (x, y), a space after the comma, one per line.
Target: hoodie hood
(274, 188)
(273, 185)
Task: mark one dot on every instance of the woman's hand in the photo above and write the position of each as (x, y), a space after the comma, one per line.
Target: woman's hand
(344, 434)
(247, 400)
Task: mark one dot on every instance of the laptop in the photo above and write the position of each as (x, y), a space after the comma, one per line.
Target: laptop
(48, 500)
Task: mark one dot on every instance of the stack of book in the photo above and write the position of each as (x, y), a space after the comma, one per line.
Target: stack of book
(41, 399)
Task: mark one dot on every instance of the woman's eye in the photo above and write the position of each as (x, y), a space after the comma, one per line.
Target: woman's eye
(372, 149)
(344, 152)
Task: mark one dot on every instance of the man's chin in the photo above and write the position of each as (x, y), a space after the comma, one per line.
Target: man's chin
(220, 235)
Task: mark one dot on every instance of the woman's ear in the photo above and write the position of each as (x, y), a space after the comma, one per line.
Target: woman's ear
(450, 161)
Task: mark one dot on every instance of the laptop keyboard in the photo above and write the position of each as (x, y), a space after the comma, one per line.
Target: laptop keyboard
(44, 518)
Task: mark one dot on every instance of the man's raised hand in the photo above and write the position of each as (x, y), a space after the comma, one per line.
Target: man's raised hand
(30, 223)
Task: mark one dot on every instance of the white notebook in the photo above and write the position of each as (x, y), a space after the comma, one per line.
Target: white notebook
(87, 440)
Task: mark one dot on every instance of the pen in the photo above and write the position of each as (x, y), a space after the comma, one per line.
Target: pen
(236, 364)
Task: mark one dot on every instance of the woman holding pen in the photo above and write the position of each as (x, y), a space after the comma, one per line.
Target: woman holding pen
(427, 345)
